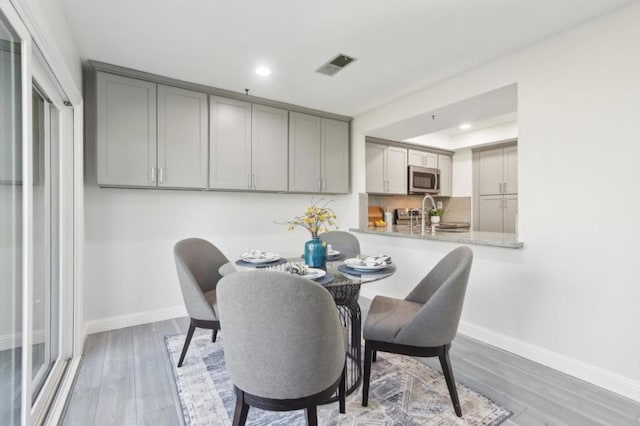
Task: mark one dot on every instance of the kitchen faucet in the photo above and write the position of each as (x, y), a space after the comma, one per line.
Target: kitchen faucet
(433, 204)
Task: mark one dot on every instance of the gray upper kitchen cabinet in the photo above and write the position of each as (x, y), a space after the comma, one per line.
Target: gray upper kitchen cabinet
(248, 146)
(375, 164)
(498, 171)
(182, 138)
(445, 166)
(334, 156)
(126, 131)
(229, 144)
(386, 169)
(318, 154)
(304, 153)
(422, 159)
(269, 148)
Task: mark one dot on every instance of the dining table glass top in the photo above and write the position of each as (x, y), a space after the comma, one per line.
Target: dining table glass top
(336, 272)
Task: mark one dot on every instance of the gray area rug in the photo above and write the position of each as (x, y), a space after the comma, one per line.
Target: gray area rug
(403, 392)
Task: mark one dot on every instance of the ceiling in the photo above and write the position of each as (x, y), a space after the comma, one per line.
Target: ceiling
(400, 46)
(488, 109)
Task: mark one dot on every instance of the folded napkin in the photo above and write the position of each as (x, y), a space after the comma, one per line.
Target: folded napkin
(255, 254)
(378, 260)
(296, 268)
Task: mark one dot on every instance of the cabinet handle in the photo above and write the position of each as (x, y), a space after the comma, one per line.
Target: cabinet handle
(254, 181)
(249, 180)
(153, 174)
(161, 174)
(504, 188)
(324, 184)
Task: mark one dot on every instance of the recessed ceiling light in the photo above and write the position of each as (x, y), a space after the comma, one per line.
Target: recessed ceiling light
(465, 126)
(263, 71)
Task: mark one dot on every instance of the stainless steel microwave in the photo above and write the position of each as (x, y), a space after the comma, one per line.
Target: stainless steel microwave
(423, 180)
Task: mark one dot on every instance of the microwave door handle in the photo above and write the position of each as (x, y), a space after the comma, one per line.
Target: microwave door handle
(436, 185)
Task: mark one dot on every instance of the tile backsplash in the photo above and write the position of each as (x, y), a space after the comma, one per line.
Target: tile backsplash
(454, 209)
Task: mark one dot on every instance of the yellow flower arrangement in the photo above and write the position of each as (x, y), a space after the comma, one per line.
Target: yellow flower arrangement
(316, 219)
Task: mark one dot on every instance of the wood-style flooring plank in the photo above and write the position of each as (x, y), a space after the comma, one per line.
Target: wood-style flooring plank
(152, 384)
(82, 406)
(521, 392)
(170, 328)
(557, 391)
(116, 401)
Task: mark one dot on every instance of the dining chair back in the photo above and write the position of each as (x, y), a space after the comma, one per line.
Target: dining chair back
(346, 243)
(284, 346)
(197, 263)
(425, 322)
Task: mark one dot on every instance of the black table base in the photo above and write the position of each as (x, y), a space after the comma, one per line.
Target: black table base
(346, 298)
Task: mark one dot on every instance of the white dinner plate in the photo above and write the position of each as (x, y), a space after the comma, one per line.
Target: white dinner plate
(313, 273)
(268, 257)
(361, 265)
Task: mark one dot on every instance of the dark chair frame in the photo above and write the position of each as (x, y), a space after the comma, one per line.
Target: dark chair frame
(196, 323)
(310, 403)
(371, 347)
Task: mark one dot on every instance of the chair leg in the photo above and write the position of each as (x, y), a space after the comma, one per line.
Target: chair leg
(312, 415)
(445, 362)
(342, 390)
(214, 335)
(368, 354)
(192, 328)
(242, 409)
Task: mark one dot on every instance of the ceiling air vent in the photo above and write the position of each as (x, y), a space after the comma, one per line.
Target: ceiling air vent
(335, 65)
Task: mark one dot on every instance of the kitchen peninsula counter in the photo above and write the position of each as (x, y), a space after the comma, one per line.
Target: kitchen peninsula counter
(495, 239)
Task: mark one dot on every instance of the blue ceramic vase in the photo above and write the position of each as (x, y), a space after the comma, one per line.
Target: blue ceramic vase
(315, 253)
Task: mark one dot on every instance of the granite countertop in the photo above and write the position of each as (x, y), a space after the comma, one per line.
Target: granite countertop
(495, 239)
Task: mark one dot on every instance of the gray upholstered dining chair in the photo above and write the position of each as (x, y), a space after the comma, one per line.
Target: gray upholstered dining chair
(284, 345)
(198, 261)
(345, 242)
(424, 323)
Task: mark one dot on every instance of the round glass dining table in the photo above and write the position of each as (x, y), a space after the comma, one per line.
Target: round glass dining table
(344, 285)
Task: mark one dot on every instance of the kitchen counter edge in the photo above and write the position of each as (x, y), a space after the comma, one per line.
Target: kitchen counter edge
(494, 239)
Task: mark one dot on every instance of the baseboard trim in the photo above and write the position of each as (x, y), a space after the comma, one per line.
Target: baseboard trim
(14, 340)
(122, 321)
(595, 375)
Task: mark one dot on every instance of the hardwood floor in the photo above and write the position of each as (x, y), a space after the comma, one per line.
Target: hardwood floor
(126, 379)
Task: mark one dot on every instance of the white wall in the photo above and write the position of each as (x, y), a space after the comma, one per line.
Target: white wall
(570, 297)
(130, 236)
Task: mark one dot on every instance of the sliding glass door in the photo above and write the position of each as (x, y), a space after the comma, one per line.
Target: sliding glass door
(10, 226)
(46, 279)
(36, 227)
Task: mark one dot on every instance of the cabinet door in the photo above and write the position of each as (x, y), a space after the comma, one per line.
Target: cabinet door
(431, 160)
(375, 168)
(304, 153)
(229, 144)
(269, 148)
(490, 163)
(416, 158)
(445, 166)
(126, 131)
(511, 170)
(490, 213)
(510, 211)
(396, 170)
(182, 138)
(335, 156)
